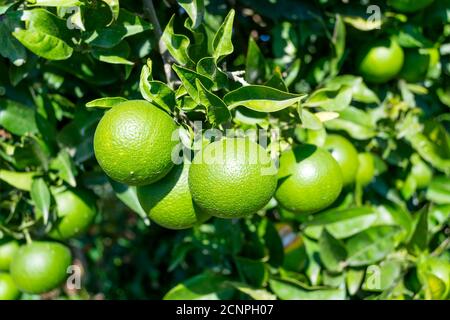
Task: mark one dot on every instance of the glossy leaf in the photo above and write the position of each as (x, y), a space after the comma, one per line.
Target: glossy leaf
(177, 44)
(332, 252)
(261, 98)
(222, 44)
(19, 180)
(205, 286)
(17, 118)
(195, 9)
(371, 245)
(188, 79)
(105, 103)
(217, 110)
(289, 291)
(40, 194)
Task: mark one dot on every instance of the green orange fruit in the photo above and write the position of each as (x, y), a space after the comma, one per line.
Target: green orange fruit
(380, 61)
(366, 169)
(40, 266)
(76, 210)
(168, 202)
(133, 142)
(232, 178)
(409, 6)
(310, 179)
(416, 65)
(8, 289)
(345, 154)
(7, 251)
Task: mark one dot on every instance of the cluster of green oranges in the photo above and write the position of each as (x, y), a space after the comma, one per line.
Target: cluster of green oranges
(35, 268)
(384, 59)
(42, 266)
(229, 178)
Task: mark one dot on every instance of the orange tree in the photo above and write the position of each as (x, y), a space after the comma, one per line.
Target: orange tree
(351, 102)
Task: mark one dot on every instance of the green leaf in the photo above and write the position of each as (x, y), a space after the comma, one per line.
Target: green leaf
(419, 239)
(332, 252)
(254, 293)
(17, 118)
(46, 35)
(371, 245)
(330, 99)
(338, 40)
(177, 44)
(127, 24)
(195, 9)
(309, 120)
(10, 47)
(361, 92)
(383, 276)
(19, 180)
(54, 3)
(276, 81)
(354, 122)
(222, 44)
(289, 291)
(105, 103)
(205, 286)
(128, 195)
(156, 92)
(217, 110)
(261, 98)
(429, 151)
(207, 67)
(253, 271)
(255, 63)
(439, 190)
(114, 55)
(353, 280)
(40, 194)
(65, 167)
(115, 9)
(188, 79)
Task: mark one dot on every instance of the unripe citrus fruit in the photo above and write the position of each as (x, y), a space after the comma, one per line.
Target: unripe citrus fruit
(380, 61)
(408, 6)
(40, 266)
(133, 142)
(168, 201)
(8, 289)
(232, 178)
(366, 169)
(76, 210)
(310, 179)
(345, 154)
(416, 65)
(7, 251)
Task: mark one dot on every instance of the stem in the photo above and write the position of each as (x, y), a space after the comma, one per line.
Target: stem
(27, 236)
(150, 12)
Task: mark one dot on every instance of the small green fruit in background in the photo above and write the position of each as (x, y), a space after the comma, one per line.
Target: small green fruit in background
(40, 266)
(7, 250)
(8, 289)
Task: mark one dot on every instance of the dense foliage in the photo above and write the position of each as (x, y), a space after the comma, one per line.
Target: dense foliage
(301, 70)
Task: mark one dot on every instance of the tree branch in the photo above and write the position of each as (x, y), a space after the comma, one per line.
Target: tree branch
(150, 12)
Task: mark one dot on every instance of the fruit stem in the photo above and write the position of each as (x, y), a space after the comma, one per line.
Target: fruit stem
(27, 236)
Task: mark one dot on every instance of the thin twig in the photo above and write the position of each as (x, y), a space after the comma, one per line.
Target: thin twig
(150, 12)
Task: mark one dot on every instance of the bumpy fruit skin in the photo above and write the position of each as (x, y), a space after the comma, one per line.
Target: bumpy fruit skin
(310, 180)
(8, 289)
(232, 178)
(133, 143)
(76, 211)
(366, 169)
(7, 251)
(380, 61)
(409, 6)
(416, 65)
(168, 201)
(40, 266)
(345, 154)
